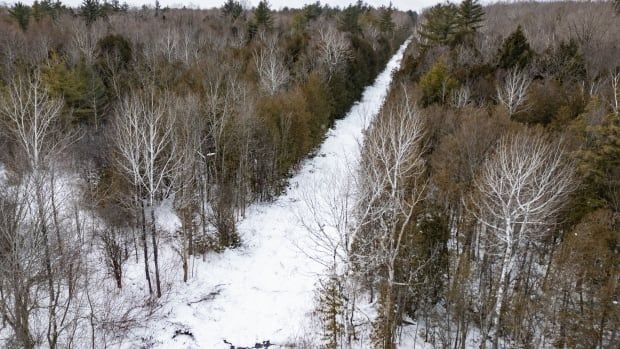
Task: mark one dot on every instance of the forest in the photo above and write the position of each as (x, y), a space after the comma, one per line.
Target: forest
(207, 178)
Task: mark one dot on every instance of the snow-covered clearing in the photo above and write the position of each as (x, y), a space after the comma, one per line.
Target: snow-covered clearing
(265, 289)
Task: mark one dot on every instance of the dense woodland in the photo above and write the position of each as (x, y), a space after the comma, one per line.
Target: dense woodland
(489, 190)
(485, 209)
(108, 111)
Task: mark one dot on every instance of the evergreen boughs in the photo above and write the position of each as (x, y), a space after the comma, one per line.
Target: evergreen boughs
(90, 11)
(21, 13)
(448, 24)
(349, 19)
(428, 260)
(437, 84)
(232, 9)
(46, 8)
(262, 14)
(470, 16)
(515, 51)
(312, 11)
(440, 25)
(81, 88)
(330, 310)
(600, 163)
(386, 25)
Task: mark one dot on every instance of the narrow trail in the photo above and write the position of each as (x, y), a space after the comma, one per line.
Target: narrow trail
(265, 289)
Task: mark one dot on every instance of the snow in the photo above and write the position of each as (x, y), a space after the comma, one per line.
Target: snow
(265, 289)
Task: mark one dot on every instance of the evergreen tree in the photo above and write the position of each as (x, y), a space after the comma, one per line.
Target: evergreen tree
(262, 14)
(349, 19)
(80, 87)
(38, 11)
(437, 84)
(386, 25)
(43, 8)
(21, 13)
(440, 25)
(312, 11)
(330, 309)
(515, 51)
(232, 9)
(470, 16)
(600, 163)
(157, 8)
(91, 10)
(252, 30)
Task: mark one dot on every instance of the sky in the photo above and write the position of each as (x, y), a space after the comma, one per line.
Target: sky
(415, 5)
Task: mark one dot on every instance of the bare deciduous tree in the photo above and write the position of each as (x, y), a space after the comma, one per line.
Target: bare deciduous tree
(189, 131)
(32, 118)
(33, 121)
(392, 184)
(143, 136)
(334, 47)
(512, 92)
(21, 263)
(272, 73)
(521, 189)
(461, 97)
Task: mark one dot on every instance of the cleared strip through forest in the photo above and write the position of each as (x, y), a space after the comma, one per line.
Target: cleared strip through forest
(264, 290)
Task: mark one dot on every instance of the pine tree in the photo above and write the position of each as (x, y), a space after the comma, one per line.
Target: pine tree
(312, 11)
(386, 25)
(41, 9)
(262, 14)
(232, 9)
(470, 16)
(437, 84)
(91, 10)
(349, 19)
(252, 29)
(80, 87)
(600, 163)
(440, 25)
(21, 13)
(515, 51)
(330, 310)
(38, 11)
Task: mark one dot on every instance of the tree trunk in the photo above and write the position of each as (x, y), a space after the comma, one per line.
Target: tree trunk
(501, 290)
(186, 240)
(203, 214)
(22, 323)
(51, 326)
(145, 248)
(155, 254)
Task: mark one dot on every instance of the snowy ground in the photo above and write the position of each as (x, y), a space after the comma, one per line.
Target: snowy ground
(265, 289)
